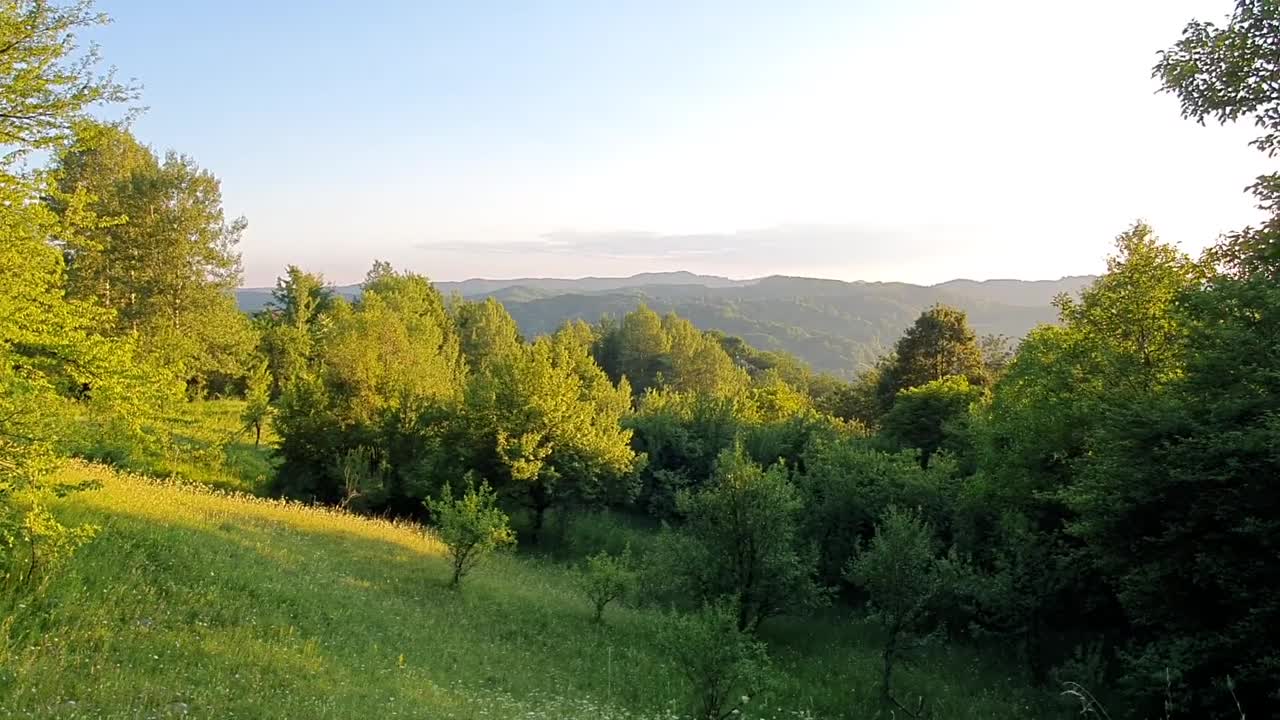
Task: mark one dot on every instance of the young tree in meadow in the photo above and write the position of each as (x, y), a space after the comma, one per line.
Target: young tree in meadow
(902, 575)
(724, 665)
(362, 473)
(607, 578)
(472, 527)
(257, 395)
(741, 541)
(940, 343)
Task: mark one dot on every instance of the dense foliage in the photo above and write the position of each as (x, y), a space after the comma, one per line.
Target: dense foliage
(1099, 500)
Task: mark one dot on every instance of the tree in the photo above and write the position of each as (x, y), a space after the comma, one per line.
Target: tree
(257, 395)
(293, 324)
(848, 486)
(1228, 74)
(167, 262)
(471, 527)
(997, 353)
(388, 374)
(902, 575)
(938, 344)
(723, 665)
(607, 578)
(361, 472)
(300, 298)
(1174, 501)
(642, 348)
(743, 542)
(53, 354)
(47, 86)
(932, 416)
(697, 363)
(545, 423)
(486, 331)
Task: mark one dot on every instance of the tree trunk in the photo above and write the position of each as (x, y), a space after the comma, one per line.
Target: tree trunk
(257, 434)
(541, 501)
(886, 677)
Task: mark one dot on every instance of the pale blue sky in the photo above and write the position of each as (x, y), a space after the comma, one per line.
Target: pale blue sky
(914, 140)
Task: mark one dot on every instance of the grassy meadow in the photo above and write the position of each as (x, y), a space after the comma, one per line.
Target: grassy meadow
(202, 603)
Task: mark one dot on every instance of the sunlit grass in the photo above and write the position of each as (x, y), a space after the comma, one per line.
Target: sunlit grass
(196, 603)
(204, 442)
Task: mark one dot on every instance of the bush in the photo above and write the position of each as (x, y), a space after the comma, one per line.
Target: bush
(33, 543)
(723, 665)
(472, 527)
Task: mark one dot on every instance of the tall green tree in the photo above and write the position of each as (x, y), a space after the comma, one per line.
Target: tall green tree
(167, 263)
(293, 323)
(1118, 344)
(54, 355)
(1176, 502)
(49, 82)
(696, 361)
(389, 372)
(938, 344)
(543, 433)
(642, 349)
(486, 330)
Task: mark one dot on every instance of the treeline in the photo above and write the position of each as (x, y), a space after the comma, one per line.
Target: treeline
(1101, 499)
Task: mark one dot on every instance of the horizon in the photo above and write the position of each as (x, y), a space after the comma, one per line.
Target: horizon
(433, 280)
(873, 141)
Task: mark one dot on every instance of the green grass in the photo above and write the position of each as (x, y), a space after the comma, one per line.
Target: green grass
(194, 603)
(204, 442)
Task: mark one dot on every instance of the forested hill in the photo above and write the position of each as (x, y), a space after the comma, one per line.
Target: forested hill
(835, 326)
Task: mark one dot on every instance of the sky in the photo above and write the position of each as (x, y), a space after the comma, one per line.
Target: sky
(908, 140)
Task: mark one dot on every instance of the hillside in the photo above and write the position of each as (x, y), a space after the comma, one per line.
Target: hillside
(197, 604)
(837, 327)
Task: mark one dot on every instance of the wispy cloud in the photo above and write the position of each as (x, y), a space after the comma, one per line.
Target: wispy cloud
(846, 243)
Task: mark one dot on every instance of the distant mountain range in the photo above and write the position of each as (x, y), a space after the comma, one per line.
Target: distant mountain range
(835, 326)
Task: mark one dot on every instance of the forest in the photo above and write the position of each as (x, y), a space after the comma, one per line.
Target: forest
(1090, 508)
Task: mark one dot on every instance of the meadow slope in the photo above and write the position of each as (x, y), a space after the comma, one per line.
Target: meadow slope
(196, 603)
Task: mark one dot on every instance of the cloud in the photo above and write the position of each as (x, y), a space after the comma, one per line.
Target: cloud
(833, 242)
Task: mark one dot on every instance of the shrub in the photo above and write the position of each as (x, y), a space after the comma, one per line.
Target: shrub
(606, 578)
(33, 543)
(723, 665)
(472, 527)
